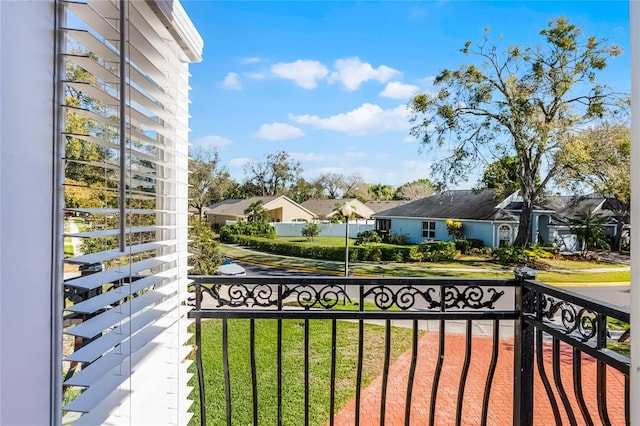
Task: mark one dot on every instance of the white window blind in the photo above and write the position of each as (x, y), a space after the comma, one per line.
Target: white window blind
(126, 129)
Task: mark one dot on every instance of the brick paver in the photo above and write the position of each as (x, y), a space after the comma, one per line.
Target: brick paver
(501, 399)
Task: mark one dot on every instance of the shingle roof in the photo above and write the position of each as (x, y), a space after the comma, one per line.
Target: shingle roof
(327, 207)
(379, 206)
(323, 208)
(454, 204)
(236, 207)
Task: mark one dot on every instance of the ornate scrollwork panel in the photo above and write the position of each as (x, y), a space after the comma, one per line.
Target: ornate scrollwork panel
(572, 317)
(237, 295)
(309, 296)
(471, 297)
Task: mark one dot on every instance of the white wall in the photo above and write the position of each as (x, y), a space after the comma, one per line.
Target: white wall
(294, 229)
(26, 206)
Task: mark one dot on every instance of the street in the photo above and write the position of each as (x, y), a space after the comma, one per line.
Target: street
(616, 295)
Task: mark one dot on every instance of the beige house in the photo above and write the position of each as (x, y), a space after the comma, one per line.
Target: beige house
(326, 209)
(280, 208)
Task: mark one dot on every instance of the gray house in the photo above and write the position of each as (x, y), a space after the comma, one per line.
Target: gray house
(483, 217)
(552, 224)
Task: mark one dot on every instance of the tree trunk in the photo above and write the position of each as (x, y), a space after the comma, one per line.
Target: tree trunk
(526, 218)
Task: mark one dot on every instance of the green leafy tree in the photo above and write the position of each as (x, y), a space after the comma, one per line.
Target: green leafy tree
(502, 176)
(310, 231)
(381, 192)
(589, 229)
(203, 248)
(303, 190)
(523, 101)
(600, 159)
(256, 212)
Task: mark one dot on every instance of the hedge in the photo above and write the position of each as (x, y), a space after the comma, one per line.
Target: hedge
(426, 252)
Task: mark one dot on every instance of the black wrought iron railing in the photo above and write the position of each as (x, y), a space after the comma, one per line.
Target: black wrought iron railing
(528, 325)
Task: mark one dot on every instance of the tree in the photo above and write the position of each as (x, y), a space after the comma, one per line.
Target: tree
(256, 212)
(414, 190)
(207, 182)
(203, 248)
(336, 185)
(352, 185)
(501, 176)
(273, 174)
(302, 191)
(310, 231)
(600, 158)
(589, 229)
(525, 102)
(381, 192)
(332, 184)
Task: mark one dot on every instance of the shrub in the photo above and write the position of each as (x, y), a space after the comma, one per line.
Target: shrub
(247, 228)
(454, 228)
(376, 254)
(508, 254)
(437, 250)
(400, 240)
(370, 236)
(465, 246)
(310, 231)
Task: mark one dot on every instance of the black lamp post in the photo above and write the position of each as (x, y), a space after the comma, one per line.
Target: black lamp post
(346, 211)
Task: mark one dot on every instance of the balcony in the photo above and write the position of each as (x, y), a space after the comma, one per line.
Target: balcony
(475, 352)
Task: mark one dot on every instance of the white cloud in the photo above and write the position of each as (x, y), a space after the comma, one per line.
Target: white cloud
(409, 139)
(278, 131)
(250, 60)
(352, 72)
(312, 156)
(254, 75)
(364, 120)
(303, 72)
(212, 140)
(232, 82)
(239, 162)
(397, 90)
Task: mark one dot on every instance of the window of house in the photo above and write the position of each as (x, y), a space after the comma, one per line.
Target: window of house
(504, 235)
(429, 230)
(383, 225)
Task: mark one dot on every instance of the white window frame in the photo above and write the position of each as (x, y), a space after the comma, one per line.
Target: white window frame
(429, 233)
(500, 230)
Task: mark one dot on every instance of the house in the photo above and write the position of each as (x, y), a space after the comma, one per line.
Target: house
(483, 217)
(552, 224)
(328, 208)
(495, 222)
(280, 208)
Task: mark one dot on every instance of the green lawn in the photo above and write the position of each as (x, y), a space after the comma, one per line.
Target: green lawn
(293, 368)
(569, 271)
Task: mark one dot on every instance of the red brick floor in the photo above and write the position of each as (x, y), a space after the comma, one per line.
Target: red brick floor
(500, 403)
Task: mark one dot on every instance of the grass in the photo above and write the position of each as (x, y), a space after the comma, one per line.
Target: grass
(293, 369)
(567, 271)
(584, 277)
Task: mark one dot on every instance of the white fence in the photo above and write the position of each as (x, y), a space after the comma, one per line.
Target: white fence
(294, 229)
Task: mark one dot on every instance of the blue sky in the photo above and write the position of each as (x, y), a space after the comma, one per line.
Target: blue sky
(328, 81)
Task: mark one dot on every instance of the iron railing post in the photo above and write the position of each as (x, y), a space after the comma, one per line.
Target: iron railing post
(523, 355)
